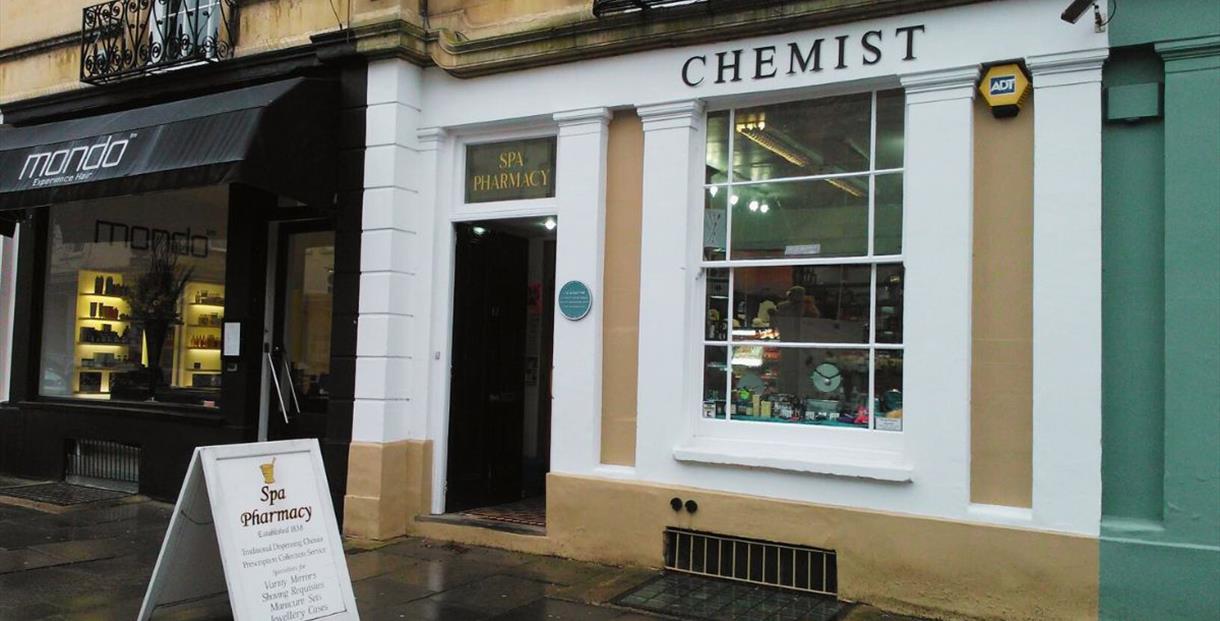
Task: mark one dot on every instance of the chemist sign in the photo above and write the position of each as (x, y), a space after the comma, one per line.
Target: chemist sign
(505, 171)
(255, 520)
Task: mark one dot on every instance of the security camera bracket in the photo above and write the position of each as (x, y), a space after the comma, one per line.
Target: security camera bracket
(1075, 9)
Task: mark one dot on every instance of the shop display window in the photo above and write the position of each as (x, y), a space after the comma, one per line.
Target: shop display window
(802, 260)
(133, 305)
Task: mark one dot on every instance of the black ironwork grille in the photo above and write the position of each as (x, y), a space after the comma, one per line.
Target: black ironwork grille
(800, 568)
(125, 38)
(100, 460)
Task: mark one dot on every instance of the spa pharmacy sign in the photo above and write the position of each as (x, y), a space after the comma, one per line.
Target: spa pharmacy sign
(255, 521)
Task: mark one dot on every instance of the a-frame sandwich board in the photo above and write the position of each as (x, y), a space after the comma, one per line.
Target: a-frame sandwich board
(255, 521)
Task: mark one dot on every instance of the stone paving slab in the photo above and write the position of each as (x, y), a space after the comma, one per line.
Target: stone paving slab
(92, 562)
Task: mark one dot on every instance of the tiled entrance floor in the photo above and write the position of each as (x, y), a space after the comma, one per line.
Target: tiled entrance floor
(529, 511)
(694, 597)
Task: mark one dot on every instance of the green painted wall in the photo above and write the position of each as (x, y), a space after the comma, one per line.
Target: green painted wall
(1160, 548)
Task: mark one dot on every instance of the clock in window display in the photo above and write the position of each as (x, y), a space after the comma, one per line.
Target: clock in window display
(826, 377)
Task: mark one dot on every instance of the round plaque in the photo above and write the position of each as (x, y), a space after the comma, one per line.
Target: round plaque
(575, 300)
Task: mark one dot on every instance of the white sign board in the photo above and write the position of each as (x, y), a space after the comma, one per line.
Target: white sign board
(255, 520)
(232, 338)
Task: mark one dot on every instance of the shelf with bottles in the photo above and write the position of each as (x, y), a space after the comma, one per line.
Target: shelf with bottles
(204, 294)
(103, 343)
(203, 342)
(199, 338)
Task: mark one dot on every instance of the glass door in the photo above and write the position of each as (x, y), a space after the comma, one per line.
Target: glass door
(299, 352)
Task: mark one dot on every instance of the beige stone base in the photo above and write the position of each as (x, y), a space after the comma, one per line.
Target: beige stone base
(387, 485)
(916, 565)
(930, 567)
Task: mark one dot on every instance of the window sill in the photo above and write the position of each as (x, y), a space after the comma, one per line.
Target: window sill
(832, 461)
(150, 410)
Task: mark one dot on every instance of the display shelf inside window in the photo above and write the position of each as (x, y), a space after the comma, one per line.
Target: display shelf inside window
(802, 263)
(199, 336)
(103, 333)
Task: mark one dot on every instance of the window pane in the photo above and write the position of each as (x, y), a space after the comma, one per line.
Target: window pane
(715, 222)
(823, 218)
(888, 221)
(800, 139)
(888, 395)
(800, 385)
(717, 307)
(891, 109)
(715, 381)
(717, 147)
(889, 303)
(802, 304)
(134, 300)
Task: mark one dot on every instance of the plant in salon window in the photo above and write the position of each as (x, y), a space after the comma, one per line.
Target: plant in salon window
(802, 257)
(153, 300)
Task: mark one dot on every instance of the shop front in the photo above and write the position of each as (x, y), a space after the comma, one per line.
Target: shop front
(825, 305)
(177, 284)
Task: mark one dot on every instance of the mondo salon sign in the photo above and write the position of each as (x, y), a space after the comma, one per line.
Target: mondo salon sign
(509, 171)
(800, 57)
(66, 163)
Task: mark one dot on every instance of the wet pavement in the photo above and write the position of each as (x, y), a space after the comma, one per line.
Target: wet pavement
(93, 562)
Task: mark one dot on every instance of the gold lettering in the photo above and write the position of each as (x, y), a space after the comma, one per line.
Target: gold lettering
(511, 159)
(511, 179)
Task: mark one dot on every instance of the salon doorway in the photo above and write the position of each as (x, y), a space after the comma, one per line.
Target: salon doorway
(500, 388)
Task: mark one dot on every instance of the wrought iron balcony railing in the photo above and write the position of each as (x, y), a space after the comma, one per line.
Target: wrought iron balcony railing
(127, 38)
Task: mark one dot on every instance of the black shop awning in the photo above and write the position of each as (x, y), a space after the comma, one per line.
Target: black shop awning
(277, 136)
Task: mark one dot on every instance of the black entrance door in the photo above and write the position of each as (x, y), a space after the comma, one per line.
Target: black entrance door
(298, 356)
(486, 404)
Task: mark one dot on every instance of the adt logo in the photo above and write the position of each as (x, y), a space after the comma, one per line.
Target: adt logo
(1003, 85)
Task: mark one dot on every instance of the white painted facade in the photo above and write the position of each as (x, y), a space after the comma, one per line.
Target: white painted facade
(419, 122)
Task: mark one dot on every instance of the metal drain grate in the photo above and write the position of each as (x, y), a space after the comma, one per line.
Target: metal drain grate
(62, 494)
(99, 463)
(750, 560)
(708, 599)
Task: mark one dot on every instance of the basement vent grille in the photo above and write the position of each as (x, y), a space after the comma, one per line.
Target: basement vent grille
(108, 465)
(800, 568)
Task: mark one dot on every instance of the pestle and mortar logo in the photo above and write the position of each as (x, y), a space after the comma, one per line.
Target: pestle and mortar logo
(270, 496)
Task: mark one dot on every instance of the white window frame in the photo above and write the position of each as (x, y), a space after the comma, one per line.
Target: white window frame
(865, 453)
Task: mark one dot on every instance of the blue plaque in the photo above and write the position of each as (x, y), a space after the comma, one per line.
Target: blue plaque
(575, 300)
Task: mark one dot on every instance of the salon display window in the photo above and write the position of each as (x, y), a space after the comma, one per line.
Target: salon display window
(802, 263)
(133, 303)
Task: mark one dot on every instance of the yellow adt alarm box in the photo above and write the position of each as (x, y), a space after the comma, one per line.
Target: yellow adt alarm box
(1005, 88)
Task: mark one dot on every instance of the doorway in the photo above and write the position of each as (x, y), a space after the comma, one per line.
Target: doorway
(500, 384)
(296, 355)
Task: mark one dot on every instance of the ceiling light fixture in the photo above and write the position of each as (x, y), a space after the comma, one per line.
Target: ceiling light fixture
(843, 184)
(550, 224)
(753, 205)
(783, 146)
